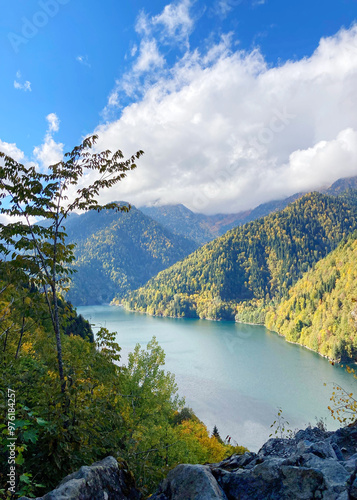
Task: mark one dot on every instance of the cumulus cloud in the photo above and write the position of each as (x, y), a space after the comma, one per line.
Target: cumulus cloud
(49, 152)
(223, 131)
(10, 149)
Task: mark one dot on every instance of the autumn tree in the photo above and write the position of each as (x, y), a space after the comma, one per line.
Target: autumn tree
(28, 195)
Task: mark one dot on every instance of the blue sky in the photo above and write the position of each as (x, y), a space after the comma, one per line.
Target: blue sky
(134, 71)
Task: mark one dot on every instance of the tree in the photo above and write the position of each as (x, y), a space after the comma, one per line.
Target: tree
(215, 433)
(27, 195)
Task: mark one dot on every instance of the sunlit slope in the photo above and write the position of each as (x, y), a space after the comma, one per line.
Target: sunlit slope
(321, 311)
(261, 259)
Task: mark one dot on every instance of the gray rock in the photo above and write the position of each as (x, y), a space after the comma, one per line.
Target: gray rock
(322, 449)
(353, 489)
(313, 465)
(105, 480)
(337, 451)
(278, 447)
(236, 461)
(189, 482)
(302, 483)
(346, 440)
(351, 464)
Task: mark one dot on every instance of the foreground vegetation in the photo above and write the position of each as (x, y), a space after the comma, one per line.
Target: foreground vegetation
(64, 399)
(130, 412)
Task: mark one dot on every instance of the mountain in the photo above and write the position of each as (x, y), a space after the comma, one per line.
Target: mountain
(260, 260)
(321, 311)
(204, 228)
(182, 221)
(117, 252)
(341, 186)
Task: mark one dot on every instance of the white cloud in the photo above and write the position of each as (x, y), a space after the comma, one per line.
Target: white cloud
(10, 149)
(143, 24)
(53, 122)
(223, 7)
(149, 57)
(175, 21)
(171, 27)
(26, 86)
(50, 152)
(223, 131)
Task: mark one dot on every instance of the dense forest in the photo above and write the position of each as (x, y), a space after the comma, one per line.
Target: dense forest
(321, 311)
(251, 266)
(117, 252)
(107, 409)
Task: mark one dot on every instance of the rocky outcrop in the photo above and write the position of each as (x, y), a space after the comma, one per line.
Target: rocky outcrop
(314, 465)
(105, 480)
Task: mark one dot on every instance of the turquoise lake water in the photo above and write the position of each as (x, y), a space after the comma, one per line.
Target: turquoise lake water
(234, 376)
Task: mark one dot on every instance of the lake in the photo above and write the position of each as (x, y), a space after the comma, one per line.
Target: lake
(234, 376)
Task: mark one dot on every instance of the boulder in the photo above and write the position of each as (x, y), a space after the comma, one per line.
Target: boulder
(104, 480)
(313, 465)
(190, 482)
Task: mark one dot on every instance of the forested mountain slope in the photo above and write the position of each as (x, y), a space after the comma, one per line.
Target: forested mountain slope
(116, 252)
(180, 220)
(204, 228)
(259, 260)
(321, 311)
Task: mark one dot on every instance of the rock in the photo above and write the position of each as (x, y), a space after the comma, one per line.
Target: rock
(236, 461)
(337, 451)
(353, 490)
(302, 483)
(313, 465)
(105, 480)
(190, 482)
(346, 440)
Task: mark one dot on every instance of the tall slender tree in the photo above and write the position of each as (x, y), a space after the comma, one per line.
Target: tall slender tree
(28, 195)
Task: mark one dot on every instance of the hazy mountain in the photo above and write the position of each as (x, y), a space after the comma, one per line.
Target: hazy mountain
(204, 228)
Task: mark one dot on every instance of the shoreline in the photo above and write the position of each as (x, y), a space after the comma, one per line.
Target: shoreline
(331, 360)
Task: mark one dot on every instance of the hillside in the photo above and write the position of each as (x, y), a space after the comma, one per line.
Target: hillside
(260, 260)
(182, 221)
(117, 252)
(321, 311)
(204, 228)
